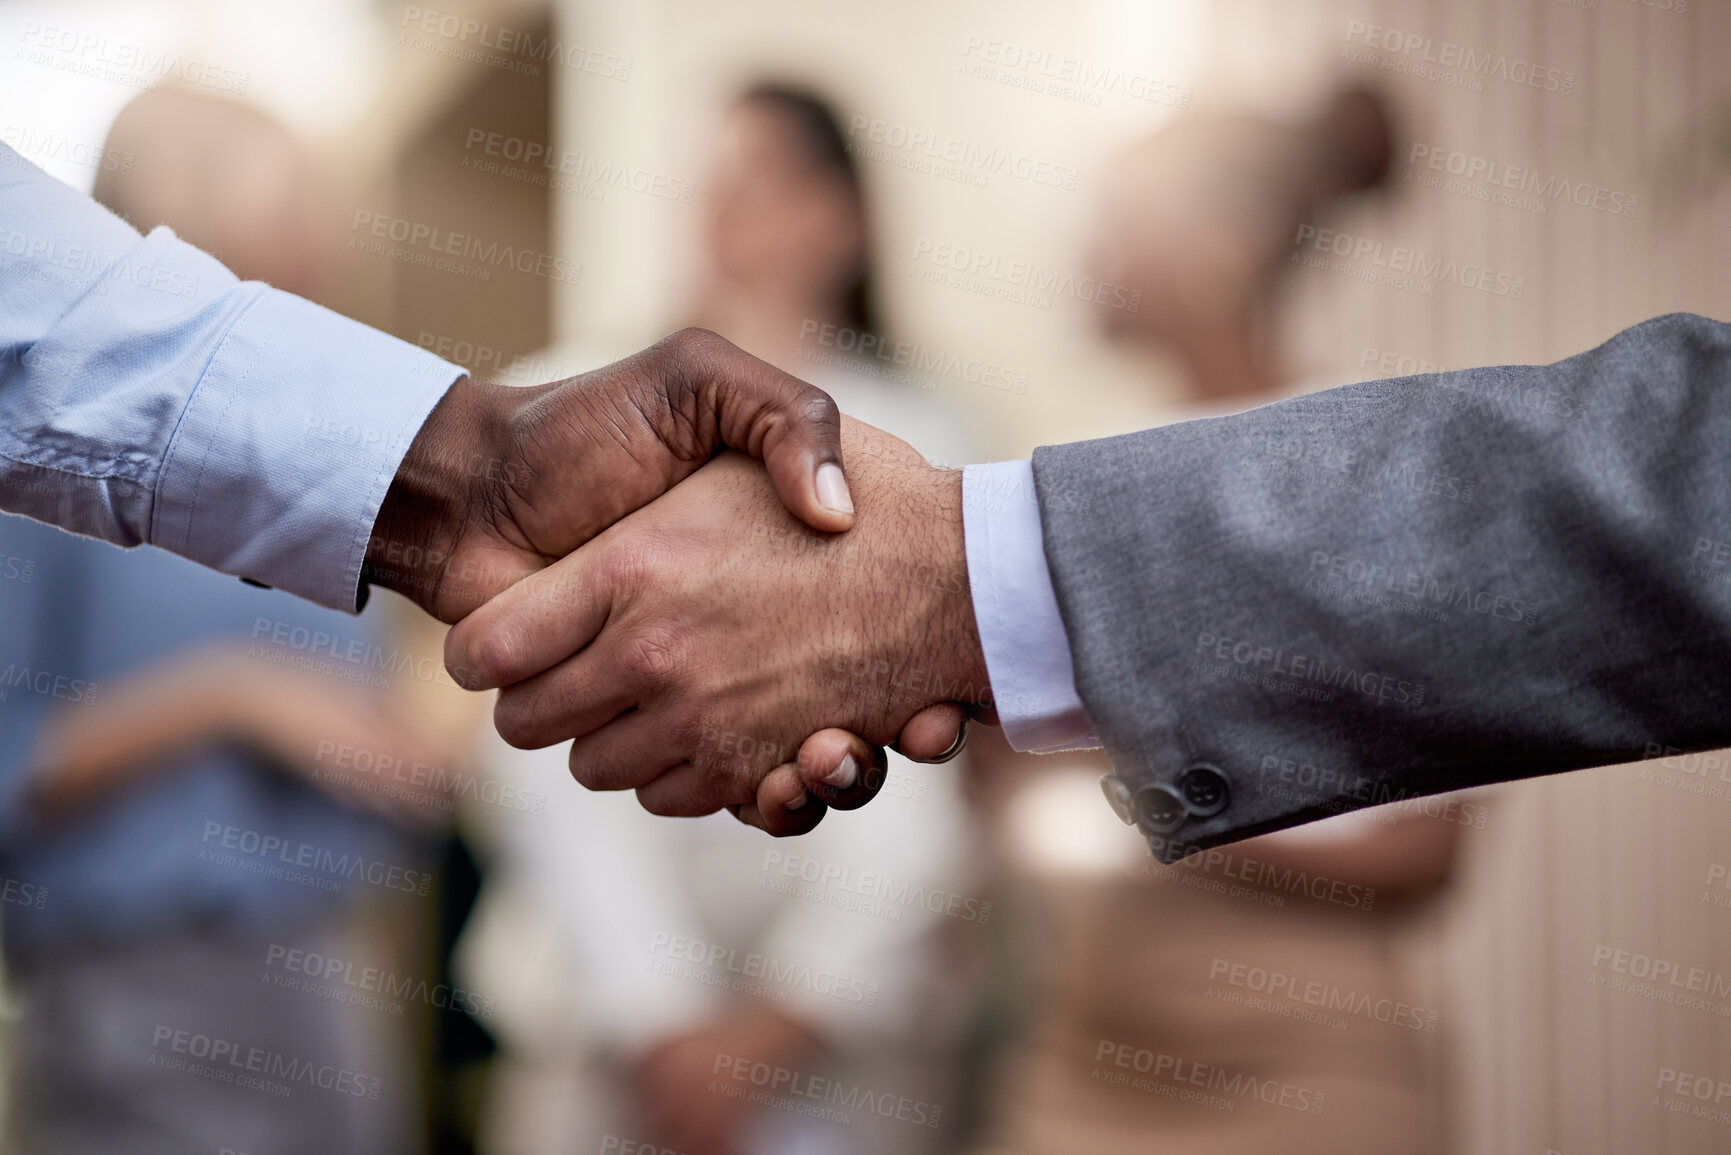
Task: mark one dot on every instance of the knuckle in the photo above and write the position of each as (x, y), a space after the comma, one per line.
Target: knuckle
(590, 771)
(817, 409)
(689, 728)
(658, 806)
(692, 345)
(516, 725)
(494, 659)
(652, 655)
(583, 773)
(634, 563)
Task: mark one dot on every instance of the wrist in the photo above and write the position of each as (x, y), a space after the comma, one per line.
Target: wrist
(951, 619)
(907, 637)
(440, 495)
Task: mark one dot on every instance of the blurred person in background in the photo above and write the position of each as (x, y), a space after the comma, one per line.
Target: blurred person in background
(195, 785)
(1160, 992)
(786, 270)
(653, 968)
(1201, 219)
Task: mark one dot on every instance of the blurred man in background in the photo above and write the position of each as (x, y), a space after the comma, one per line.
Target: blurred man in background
(198, 794)
(1200, 219)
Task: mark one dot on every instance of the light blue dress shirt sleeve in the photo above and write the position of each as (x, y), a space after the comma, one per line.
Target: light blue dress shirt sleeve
(149, 395)
(1026, 647)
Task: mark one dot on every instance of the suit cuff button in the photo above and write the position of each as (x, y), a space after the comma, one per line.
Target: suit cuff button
(1205, 790)
(1160, 809)
(1118, 798)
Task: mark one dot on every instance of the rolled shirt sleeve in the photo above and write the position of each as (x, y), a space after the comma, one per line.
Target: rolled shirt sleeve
(149, 395)
(1026, 647)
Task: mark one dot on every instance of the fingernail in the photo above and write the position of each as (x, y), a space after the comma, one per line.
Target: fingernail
(798, 802)
(832, 491)
(844, 775)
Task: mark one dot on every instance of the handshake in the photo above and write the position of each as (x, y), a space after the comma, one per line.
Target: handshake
(705, 630)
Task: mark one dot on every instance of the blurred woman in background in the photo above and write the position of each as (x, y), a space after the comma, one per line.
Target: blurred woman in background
(787, 268)
(654, 965)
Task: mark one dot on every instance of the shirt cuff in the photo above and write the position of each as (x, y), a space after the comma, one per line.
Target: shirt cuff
(1026, 647)
(281, 460)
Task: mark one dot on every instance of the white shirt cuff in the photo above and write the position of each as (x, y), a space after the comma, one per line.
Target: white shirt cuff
(1026, 647)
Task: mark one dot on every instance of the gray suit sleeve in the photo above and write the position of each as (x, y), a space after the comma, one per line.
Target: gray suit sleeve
(1404, 587)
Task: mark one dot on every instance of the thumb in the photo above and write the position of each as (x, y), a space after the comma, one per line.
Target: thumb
(794, 427)
(801, 445)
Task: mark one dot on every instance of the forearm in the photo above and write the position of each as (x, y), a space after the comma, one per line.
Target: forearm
(85, 752)
(147, 395)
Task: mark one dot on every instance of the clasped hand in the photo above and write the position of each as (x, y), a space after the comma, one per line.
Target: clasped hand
(692, 648)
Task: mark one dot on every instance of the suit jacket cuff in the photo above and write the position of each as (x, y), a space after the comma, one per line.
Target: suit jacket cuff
(1026, 647)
